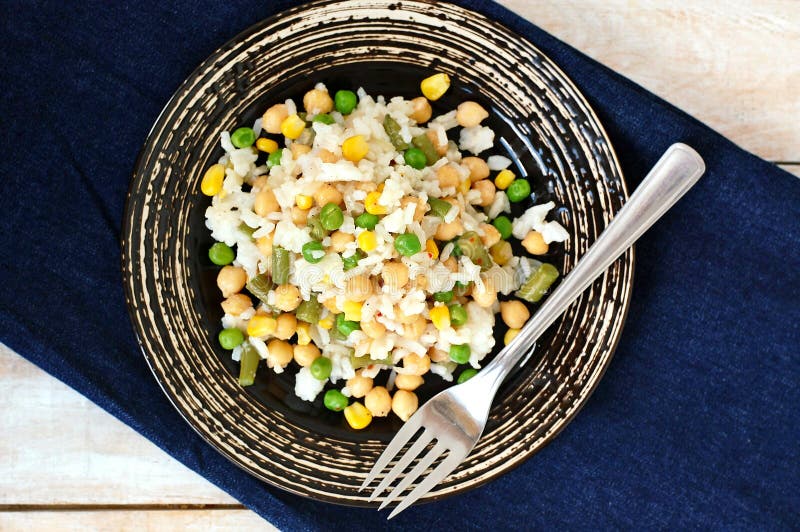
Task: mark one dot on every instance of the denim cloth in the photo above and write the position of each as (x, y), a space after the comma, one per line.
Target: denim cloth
(695, 423)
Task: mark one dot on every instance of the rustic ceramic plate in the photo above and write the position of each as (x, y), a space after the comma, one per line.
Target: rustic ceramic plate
(541, 121)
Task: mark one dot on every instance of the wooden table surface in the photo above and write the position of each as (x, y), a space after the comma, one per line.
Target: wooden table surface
(66, 464)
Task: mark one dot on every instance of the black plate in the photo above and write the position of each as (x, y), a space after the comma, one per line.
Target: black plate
(540, 120)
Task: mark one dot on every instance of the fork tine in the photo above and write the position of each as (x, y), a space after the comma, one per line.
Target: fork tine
(436, 476)
(409, 428)
(402, 464)
(410, 477)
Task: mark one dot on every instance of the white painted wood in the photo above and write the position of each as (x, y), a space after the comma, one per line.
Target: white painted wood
(731, 64)
(134, 521)
(59, 448)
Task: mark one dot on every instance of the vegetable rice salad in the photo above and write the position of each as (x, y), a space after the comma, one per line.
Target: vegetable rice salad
(356, 238)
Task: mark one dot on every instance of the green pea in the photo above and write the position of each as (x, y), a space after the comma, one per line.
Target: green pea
(221, 254)
(244, 137)
(444, 297)
(466, 375)
(503, 226)
(274, 158)
(308, 251)
(321, 368)
(367, 221)
(324, 118)
(415, 158)
(458, 315)
(230, 338)
(407, 244)
(335, 400)
(460, 353)
(331, 216)
(518, 190)
(346, 326)
(345, 101)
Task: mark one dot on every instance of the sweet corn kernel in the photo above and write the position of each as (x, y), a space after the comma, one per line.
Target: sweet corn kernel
(303, 201)
(266, 145)
(371, 203)
(303, 336)
(326, 323)
(367, 241)
(503, 179)
(440, 317)
(432, 249)
(501, 252)
(435, 86)
(355, 148)
(292, 127)
(352, 310)
(261, 325)
(510, 335)
(212, 180)
(357, 416)
(465, 186)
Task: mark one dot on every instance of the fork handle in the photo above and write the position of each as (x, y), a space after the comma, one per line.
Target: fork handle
(673, 175)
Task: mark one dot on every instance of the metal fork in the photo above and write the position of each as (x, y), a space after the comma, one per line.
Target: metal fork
(456, 417)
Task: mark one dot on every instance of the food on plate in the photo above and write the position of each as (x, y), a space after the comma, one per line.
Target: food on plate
(364, 244)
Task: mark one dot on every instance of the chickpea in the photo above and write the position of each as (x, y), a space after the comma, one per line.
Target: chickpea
(514, 313)
(287, 297)
(395, 275)
(378, 401)
(299, 149)
(286, 326)
(339, 240)
(373, 329)
(331, 305)
(299, 216)
(306, 354)
(451, 264)
(327, 193)
(327, 156)
(408, 382)
(491, 235)
(448, 231)
(420, 110)
(231, 280)
(487, 190)
(486, 297)
(416, 364)
(421, 282)
(470, 114)
(437, 355)
(260, 182)
(317, 101)
(358, 288)
(404, 403)
(236, 304)
(535, 244)
(420, 209)
(264, 244)
(359, 385)
(402, 317)
(274, 117)
(280, 353)
(414, 329)
(448, 176)
(265, 203)
(441, 149)
(478, 169)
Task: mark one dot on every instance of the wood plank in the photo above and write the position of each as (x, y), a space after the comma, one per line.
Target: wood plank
(80, 521)
(732, 65)
(59, 448)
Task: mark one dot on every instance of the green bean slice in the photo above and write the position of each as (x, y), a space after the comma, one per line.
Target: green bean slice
(280, 265)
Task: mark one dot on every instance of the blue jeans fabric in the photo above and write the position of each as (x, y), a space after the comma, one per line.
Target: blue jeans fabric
(694, 425)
